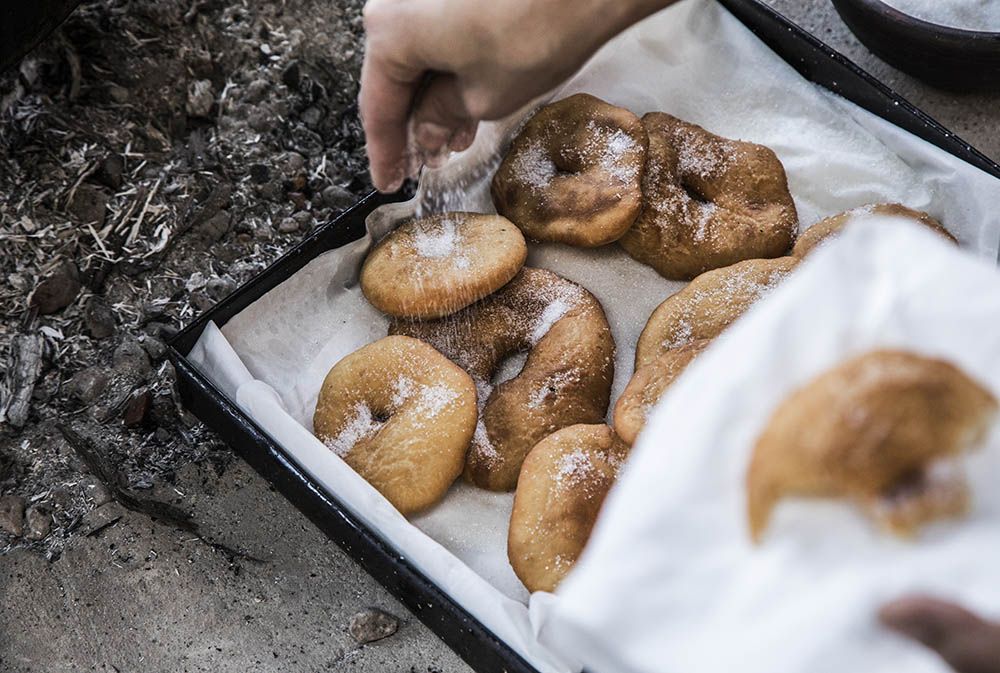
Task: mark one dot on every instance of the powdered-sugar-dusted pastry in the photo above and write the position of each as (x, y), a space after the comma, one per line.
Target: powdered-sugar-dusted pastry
(877, 429)
(708, 305)
(565, 380)
(828, 228)
(647, 386)
(402, 415)
(563, 483)
(574, 173)
(434, 266)
(708, 201)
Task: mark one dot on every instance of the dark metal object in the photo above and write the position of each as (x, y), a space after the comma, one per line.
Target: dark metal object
(25, 24)
(464, 634)
(951, 58)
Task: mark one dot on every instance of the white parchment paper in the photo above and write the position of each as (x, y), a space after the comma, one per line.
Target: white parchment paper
(673, 537)
(693, 60)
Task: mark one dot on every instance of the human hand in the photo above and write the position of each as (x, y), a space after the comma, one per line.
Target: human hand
(968, 643)
(434, 68)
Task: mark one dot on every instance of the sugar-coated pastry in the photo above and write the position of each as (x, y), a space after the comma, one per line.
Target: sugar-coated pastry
(565, 380)
(431, 267)
(402, 416)
(708, 305)
(876, 429)
(647, 386)
(563, 483)
(574, 173)
(828, 228)
(708, 201)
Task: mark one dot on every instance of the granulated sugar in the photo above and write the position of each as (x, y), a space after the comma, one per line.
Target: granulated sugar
(361, 425)
(533, 167)
(437, 238)
(696, 156)
(573, 468)
(977, 15)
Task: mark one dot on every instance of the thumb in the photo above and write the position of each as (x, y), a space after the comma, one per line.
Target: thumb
(968, 643)
(440, 121)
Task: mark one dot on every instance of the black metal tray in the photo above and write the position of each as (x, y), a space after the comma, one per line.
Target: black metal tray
(462, 632)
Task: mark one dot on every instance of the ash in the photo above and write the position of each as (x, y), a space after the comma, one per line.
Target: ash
(154, 155)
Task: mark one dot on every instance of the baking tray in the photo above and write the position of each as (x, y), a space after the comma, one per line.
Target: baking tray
(452, 623)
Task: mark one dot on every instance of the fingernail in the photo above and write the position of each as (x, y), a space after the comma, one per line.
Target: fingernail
(462, 140)
(432, 137)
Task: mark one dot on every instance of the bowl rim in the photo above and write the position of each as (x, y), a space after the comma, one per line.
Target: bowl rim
(928, 27)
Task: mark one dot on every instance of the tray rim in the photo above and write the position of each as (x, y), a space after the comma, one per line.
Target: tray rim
(465, 631)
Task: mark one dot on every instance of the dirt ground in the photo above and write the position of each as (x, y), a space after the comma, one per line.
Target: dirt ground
(154, 155)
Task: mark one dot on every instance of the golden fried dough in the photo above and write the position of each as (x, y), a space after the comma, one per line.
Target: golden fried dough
(647, 386)
(708, 201)
(563, 483)
(402, 416)
(708, 305)
(828, 228)
(574, 173)
(434, 266)
(873, 429)
(565, 380)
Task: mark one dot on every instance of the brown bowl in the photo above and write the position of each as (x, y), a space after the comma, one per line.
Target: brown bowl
(950, 58)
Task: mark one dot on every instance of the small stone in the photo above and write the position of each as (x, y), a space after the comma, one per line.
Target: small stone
(219, 287)
(58, 290)
(200, 98)
(215, 227)
(312, 116)
(101, 517)
(94, 490)
(256, 90)
(373, 624)
(297, 183)
(291, 75)
(259, 121)
(12, 514)
(294, 163)
(110, 171)
(304, 218)
(264, 231)
(99, 318)
(88, 384)
(259, 173)
(160, 330)
(336, 196)
(119, 94)
(299, 199)
(202, 301)
(131, 358)
(89, 205)
(137, 409)
(154, 348)
(39, 523)
(288, 225)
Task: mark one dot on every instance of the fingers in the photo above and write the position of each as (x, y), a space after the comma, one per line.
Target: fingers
(384, 104)
(969, 644)
(440, 121)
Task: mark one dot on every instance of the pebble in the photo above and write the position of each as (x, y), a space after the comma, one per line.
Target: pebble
(99, 318)
(119, 94)
(304, 218)
(312, 116)
(256, 90)
(110, 171)
(94, 490)
(200, 98)
(12, 514)
(259, 173)
(259, 121)
(288, 225)
(137, 409)
(39, 523)
(215, 227)
(372, 624)
(154, 348)
(336, 196)
(89, 205)
(291, 75)
(130, 357)
(299, 199)
(58, 290)
(219, 287)
(294, 163)
(88, 384)
(160, 330)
